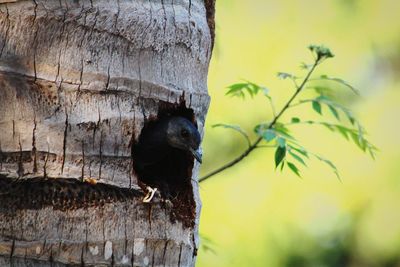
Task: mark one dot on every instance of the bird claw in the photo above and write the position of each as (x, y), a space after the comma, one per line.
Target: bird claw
(90, 180)
(150, 194)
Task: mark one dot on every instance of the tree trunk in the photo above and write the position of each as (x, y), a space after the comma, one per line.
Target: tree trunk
(78, 82)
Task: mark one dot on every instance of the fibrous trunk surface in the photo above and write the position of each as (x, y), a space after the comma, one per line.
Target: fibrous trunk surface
(78, 82)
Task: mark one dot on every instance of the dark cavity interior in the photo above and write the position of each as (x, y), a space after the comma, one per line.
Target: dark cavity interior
(172, 175)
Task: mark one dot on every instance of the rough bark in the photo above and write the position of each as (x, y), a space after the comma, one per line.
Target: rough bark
(78, 82)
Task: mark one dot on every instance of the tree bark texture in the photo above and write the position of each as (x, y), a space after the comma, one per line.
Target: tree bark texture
(79, 79)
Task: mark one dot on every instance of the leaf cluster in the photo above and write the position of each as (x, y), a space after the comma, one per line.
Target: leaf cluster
(278, 135)
(246, 87)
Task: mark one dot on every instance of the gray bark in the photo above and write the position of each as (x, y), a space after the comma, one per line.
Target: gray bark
(78, 81)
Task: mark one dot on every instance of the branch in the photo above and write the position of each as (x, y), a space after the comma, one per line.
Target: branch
(272, 123)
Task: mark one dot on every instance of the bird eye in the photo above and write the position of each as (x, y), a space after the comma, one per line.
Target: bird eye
(185, 133)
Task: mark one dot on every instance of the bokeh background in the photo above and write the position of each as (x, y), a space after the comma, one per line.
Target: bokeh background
(255, 216)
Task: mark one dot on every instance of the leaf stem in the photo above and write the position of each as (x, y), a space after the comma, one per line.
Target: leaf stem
(271, 103)
(272, 123)
(300, 103)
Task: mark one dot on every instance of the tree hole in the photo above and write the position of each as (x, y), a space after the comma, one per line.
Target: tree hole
(171, 170)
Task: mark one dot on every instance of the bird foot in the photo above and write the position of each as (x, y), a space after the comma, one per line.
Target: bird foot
(90, 180)
(150, 194)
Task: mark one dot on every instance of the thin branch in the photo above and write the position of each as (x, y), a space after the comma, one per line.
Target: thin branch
(235, 128)
(295, 83)
(271, 103)
(272, 123)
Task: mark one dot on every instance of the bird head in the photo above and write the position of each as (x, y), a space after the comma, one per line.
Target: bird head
(182, 134)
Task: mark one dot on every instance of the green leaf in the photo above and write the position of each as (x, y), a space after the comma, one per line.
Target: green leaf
(236, 89)
(328, 125)
(360, 132)
(305, 153)
(281, 142)
(333, 106)
(283, 131)
(321, 90)
(252, 88)
(317, 107)
(295, 120)
(207, 244)
(334, 112)
(279, 155)
(266, 92)
(284, 75)
(293, 168)
(237, 86)
(360, 143)
(322, 52)
(282, 165)
(340, 81)
(297, 157)
(208, 248)
(326, 100)
(343, 130)
(351, 119)
(235, 128)
(301, 150)
(260, 128)
(305, 66)
(357, 135)
(330, 164)
(239, 89)
(269, 135)
(372, 150)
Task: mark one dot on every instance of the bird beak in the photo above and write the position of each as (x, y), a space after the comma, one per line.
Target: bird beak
(196, 154)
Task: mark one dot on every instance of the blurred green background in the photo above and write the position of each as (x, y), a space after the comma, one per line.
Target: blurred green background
(254, 216)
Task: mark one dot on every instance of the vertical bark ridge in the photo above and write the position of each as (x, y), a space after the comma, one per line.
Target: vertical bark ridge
(79, 80)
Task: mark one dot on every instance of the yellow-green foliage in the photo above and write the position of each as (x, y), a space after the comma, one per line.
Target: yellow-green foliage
(255, 216)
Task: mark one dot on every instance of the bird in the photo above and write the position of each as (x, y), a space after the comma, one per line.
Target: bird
(164, 151)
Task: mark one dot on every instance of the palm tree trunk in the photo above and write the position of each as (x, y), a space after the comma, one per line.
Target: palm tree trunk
(78, 82)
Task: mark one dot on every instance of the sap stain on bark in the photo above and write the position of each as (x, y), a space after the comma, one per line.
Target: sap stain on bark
(61, 194)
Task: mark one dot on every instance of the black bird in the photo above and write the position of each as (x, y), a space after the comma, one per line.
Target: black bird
(159, 139)
(162, 155)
